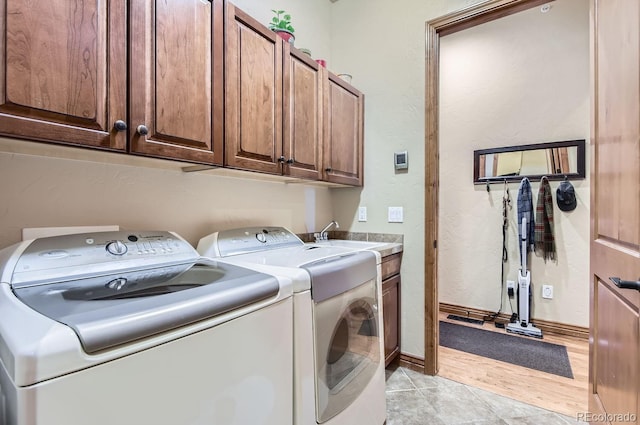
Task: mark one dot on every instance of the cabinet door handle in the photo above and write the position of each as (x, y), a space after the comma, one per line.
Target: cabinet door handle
(281, 159)
(626, 284)
(290, 161)
(142, 130)
(120, 125)
(328, 169)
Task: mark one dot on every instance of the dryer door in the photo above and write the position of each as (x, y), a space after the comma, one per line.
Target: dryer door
(347, 347)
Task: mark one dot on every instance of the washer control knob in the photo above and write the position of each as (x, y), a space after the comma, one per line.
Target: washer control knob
(116, 248)
(261, 237)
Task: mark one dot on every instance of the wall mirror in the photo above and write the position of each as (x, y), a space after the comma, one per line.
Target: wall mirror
(556, 160)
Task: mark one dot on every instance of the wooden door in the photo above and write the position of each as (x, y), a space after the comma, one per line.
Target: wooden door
(253, 94)
(343, 132)
(63, 71)
(614, 373)
(302, 80)
(176, 82)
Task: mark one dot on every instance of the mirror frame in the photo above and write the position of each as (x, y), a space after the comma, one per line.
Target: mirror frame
(580, 174)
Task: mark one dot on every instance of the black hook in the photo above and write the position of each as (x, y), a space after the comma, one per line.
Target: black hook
(488, 188)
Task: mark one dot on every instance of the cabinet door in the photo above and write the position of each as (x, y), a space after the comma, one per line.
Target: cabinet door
(63, 71)
(302, 115)
(391, 316)
(343, 132)
(253, 94)
(176, 79)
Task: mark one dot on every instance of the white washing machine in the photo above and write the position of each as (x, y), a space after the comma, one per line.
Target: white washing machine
(338, 336)
(135, 328)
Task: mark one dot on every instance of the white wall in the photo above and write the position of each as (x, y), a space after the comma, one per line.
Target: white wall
(518, 80)
(382, 44)
(311, 21)
(102, 189)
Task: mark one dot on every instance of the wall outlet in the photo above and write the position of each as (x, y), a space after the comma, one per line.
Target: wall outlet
(362, 213)
(511, 288)
(547, 291)
(396, 215)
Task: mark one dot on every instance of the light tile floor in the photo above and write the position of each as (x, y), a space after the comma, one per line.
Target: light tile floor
(417, 399)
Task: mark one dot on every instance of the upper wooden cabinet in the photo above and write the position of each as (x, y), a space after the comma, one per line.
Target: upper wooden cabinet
(65, 75)
(273, 103)
(303, 84)
(176, 79)
(253, 94)
(63, 70)
(343, 132)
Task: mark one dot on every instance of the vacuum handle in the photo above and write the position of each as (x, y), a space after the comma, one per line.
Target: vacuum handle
(525, 234)
(626, 284)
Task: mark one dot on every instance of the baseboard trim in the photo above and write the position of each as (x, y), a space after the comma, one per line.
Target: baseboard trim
(411, 362)
(544, 325)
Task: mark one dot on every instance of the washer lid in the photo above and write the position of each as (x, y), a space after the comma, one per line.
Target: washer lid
(106, 311)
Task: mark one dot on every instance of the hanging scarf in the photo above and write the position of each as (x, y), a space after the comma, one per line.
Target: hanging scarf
(544, 239)
(525, 209)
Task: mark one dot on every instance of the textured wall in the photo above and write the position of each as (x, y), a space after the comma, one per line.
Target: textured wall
(47, 191)
(382, 45)
(522, 79)
(310, 19)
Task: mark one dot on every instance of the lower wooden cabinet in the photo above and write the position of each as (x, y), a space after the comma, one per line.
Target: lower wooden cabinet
(391, 305)
(391, 314)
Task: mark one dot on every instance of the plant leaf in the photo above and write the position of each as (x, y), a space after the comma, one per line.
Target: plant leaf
(287, 17)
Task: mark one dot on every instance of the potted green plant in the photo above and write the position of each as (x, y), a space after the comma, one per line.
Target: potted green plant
(281, 24)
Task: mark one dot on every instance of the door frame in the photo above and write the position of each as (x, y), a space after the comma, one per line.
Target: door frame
(434, 29)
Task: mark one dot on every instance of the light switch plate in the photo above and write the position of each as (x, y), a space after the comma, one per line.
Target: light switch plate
(362, 213)
(396, 215)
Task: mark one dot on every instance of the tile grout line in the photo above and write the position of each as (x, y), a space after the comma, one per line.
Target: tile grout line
(410, 380)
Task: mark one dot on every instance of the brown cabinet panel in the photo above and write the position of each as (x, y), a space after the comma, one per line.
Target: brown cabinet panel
(391, 315)
(253, 94)
(391, 265)
(302, 115)
(63, 71)
(344, 132)
(391, 305)
(176, 79)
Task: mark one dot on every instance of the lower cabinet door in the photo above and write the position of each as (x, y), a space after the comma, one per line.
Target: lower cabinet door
(391, 315)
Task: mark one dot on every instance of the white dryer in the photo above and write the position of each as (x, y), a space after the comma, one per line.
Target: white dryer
(338, 336)
(135, 328)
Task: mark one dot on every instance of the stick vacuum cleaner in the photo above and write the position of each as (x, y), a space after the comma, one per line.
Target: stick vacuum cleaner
(523, 326)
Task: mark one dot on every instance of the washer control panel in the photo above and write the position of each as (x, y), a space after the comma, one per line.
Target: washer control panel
(74, 256)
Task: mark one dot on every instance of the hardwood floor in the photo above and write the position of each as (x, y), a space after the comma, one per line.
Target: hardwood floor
(541, 389)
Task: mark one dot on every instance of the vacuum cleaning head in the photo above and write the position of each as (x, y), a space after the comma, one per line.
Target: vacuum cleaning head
(528, 330)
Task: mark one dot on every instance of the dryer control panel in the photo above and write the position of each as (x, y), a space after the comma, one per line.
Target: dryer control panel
(46, 260)
(247, 239)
